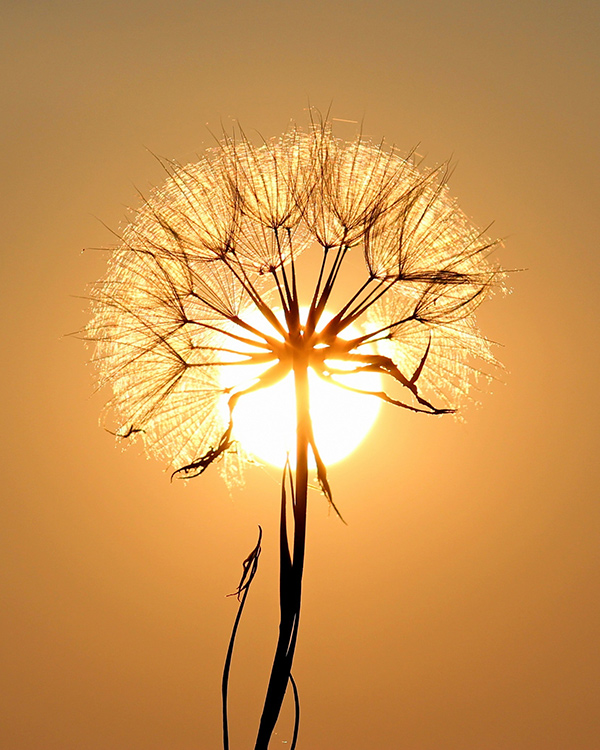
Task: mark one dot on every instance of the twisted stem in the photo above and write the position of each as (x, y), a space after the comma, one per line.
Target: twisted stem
(250, 566)
(291, 565)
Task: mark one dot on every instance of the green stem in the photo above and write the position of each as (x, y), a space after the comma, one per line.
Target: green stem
(290, 572)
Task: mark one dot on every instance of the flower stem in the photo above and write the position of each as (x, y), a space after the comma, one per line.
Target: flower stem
(291, 567)
(250, 566)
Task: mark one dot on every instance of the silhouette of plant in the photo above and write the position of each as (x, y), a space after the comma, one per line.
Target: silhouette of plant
(220, 244)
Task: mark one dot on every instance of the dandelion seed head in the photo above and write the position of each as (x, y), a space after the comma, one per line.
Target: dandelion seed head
(224, 238)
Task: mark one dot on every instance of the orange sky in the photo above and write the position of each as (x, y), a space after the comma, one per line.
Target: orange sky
(458, 610)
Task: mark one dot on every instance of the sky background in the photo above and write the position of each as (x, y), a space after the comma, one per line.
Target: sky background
(459, 608)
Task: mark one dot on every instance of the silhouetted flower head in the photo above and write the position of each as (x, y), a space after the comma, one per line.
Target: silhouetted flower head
(219, 247)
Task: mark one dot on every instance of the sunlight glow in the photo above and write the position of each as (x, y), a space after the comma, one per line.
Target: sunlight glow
(265, 421)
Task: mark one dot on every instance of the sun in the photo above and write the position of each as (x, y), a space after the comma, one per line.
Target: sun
(265, 421)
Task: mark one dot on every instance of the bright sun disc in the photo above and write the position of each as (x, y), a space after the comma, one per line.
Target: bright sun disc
(265, 421)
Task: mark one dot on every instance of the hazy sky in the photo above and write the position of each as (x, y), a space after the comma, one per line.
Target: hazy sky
(459, 608)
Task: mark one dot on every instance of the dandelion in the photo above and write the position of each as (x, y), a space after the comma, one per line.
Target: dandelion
(207, 280)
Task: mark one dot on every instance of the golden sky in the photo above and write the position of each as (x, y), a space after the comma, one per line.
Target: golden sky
(458, 610)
